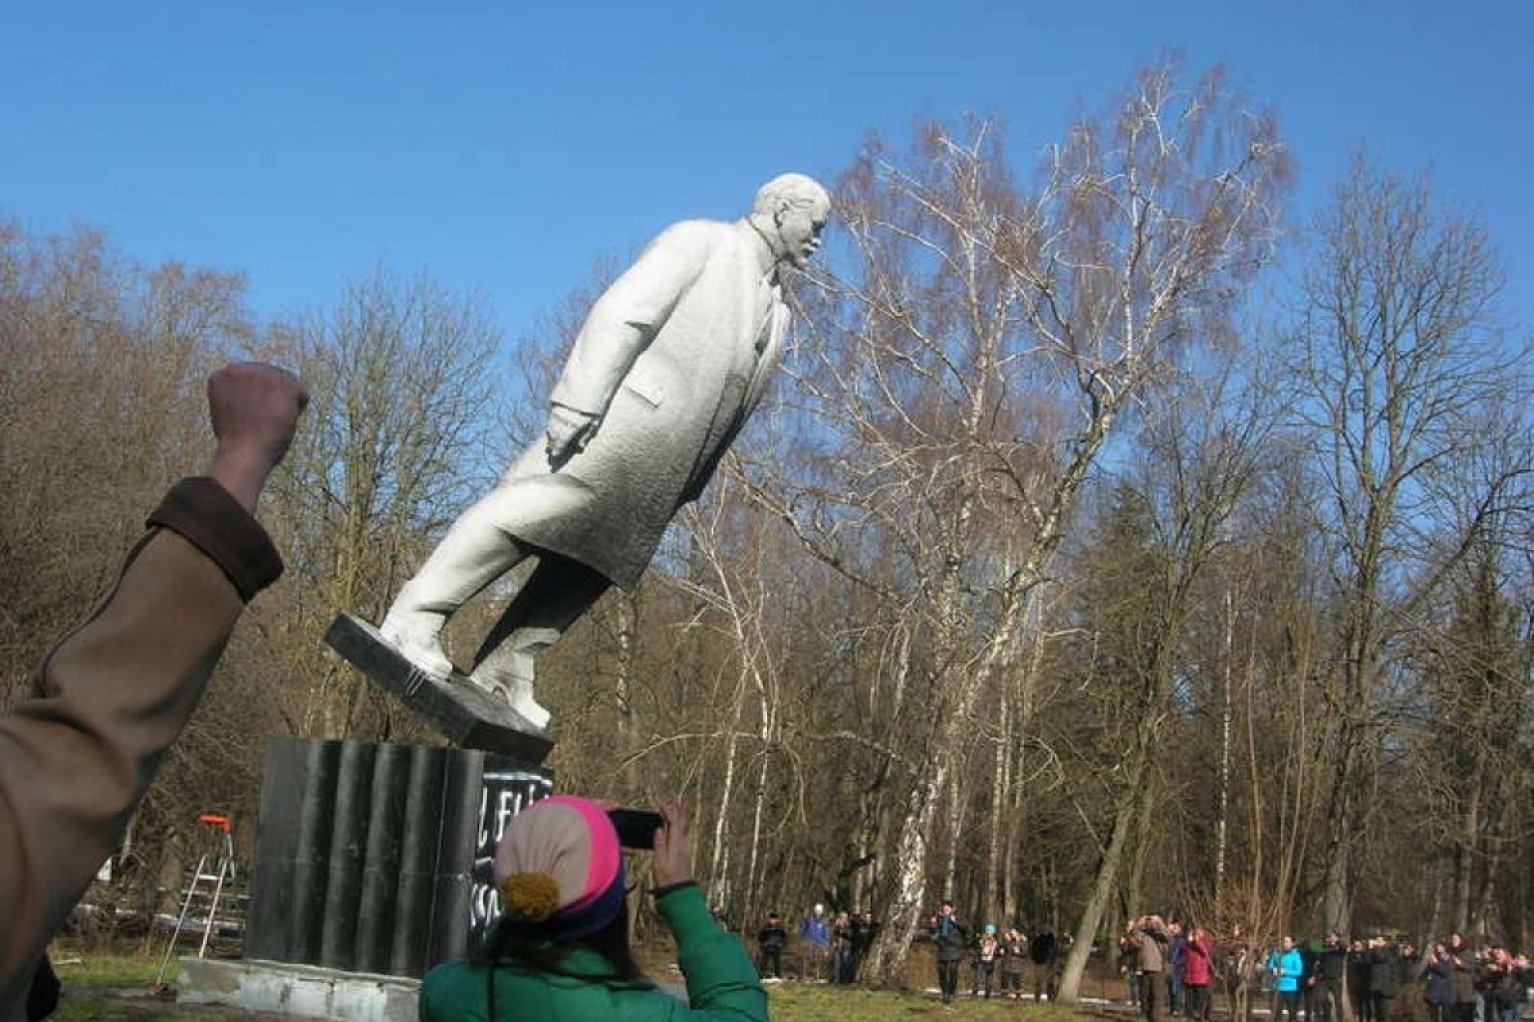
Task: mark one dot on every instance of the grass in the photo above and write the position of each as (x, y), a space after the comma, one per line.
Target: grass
(792, 1002)
(109, 988)
(118, 988)
(110, 970)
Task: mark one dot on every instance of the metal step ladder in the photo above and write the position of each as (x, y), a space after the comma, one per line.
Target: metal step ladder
(215, 867)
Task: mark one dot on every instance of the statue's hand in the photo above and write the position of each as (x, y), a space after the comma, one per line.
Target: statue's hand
(568, 433)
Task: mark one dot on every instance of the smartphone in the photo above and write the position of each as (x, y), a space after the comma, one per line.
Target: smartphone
(636, 827)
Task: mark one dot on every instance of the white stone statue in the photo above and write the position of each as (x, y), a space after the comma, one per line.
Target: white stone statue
(669, 364)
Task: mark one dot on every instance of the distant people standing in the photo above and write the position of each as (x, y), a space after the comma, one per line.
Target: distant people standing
(1463, 975)
(1325, 979)
(1240, 968)
(1014, 956)
(987, 955)
(815, 932)
(1198, 973)
(949, 937)
(1309, 950)
(1438, 983)
(1287, 968)
(1150, 938)
(1128, 955)
(1506, 980)
(1384, 976)
(841, 949)
(864, 930)
(1358, 982)
(1175, 963)
(770, 942)
(1043, 949)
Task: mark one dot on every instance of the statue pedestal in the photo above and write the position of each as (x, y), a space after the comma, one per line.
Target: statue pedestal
(375, 858)
(459, 709)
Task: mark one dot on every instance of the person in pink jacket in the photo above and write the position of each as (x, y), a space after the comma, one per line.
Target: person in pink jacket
(1198, 972)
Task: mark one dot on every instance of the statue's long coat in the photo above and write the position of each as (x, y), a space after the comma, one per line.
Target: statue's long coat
(673, 359)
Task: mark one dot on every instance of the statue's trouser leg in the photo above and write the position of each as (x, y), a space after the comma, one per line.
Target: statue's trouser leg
(474, 553)
(558, 592)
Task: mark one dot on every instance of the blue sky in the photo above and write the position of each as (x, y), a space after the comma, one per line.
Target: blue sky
(505, 147)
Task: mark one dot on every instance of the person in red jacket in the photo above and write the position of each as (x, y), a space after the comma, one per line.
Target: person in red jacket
(116, 692)
(1198, 966)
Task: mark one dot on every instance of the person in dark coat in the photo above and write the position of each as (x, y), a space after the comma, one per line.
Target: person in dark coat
(1325, 980)
(1358, 982)
(864, 929)
(1043, 951)
(770, 942)
(950, 937)
(843, 964)
(1464, 973)
(1384, 976)
(1438, 983)
(1505, 980)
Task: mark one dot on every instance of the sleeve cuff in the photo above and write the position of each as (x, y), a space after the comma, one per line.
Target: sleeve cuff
(205, 515)
(661, 892)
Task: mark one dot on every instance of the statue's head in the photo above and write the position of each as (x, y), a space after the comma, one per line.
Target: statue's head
(790, 212)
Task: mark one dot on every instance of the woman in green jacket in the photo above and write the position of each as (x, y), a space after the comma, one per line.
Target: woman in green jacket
(561, 950)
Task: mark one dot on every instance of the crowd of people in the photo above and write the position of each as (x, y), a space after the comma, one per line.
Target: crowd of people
(1000, 960)
(1382, 979)
(832, 949)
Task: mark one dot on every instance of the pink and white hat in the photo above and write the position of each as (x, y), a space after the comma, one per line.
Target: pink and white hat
(559, 867)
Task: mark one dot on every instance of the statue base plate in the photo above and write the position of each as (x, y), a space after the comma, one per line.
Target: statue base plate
(462, 711)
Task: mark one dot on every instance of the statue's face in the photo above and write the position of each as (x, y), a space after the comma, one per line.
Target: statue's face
(799, 228)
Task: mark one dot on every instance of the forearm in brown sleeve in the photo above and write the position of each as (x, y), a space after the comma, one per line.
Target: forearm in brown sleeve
(116, 693)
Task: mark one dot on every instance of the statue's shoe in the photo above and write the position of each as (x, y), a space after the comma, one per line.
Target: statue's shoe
(417, 641)
(516, 692)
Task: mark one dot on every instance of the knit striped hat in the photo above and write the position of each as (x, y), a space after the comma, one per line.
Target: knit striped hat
(559, 866)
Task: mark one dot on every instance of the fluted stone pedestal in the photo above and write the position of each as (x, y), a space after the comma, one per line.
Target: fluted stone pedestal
(372, 860)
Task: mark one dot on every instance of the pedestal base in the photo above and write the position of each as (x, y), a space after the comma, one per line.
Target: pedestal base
(303, 990)
(459, 709)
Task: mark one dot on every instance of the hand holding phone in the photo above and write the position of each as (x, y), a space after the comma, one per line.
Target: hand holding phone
(672, 862)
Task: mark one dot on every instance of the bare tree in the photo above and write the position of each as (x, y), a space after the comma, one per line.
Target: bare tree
(102, 369)
(967, 362)
(1403, 377)
(393, 447)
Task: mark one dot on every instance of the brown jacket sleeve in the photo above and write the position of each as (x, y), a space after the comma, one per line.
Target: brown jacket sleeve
(116, 692)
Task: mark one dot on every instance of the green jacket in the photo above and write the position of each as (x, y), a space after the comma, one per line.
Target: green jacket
(721, 982)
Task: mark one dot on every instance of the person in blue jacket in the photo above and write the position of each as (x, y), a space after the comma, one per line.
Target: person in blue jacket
(1287, 967)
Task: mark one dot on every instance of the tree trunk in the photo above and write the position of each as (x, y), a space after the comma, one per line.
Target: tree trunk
(1107, 873)
(1000, 782)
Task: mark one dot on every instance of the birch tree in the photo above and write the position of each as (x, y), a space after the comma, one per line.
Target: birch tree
(970, 353)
